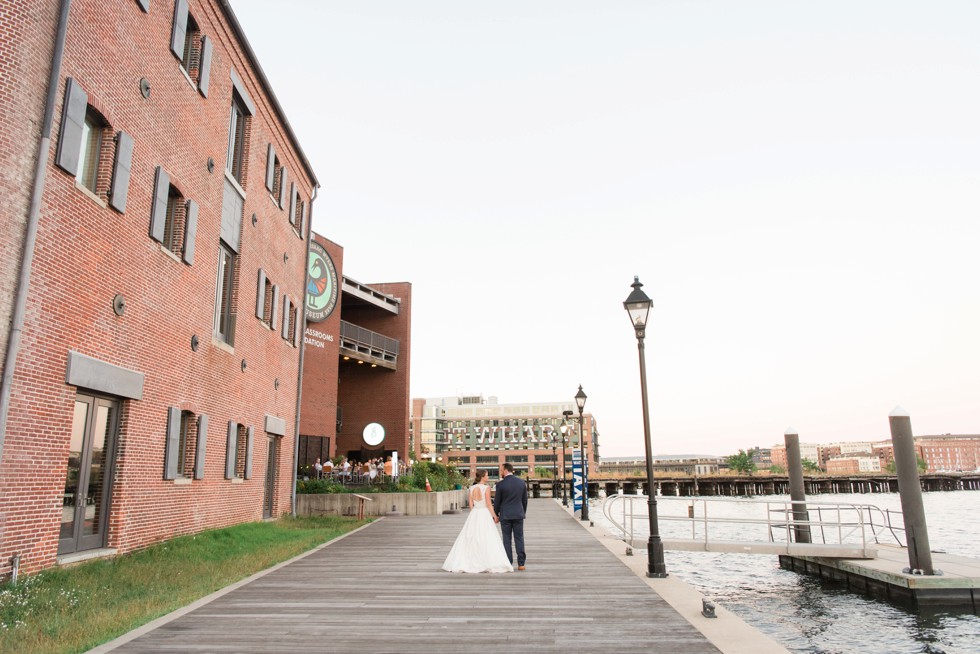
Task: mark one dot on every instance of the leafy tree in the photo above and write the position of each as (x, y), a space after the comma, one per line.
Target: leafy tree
(742, 463)
(810, 466)
(777, 469)
(542, 472)
(920, 463)
(441, 477)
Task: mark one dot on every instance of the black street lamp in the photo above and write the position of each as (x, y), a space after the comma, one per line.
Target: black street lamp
(580, 401)
(564, 441)
(554, 465)
(638, 305)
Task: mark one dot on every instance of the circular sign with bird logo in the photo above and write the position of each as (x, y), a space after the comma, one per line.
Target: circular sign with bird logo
(322, 290)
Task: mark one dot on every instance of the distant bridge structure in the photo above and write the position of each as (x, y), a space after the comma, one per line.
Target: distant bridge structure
(753, 485)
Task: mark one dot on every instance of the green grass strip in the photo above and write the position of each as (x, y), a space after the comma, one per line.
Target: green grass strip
(67, 610)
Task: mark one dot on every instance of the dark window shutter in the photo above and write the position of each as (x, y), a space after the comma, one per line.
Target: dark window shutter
(260, 296)
(299, 324)
(302, 219)
(204, 72)
(270, 168)
(119, 190)
(158, 210)
(248, 452)
(172, 447)
(179, 32)
(72, 123)
(286, 306)
(275, 307)
(201, 448)
(282, 187)
(230, 450)
(292, 204)
(144, 5)
(190, 231)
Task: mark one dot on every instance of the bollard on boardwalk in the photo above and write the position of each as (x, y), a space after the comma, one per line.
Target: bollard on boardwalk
(910, 492)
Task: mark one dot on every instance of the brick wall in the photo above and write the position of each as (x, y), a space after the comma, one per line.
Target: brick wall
(87, 253)
(377, 394)
(319, 413)
(25, 64)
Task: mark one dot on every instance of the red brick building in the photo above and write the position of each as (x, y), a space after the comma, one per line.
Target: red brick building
(356, 364)
(949, 452)
(151, 375)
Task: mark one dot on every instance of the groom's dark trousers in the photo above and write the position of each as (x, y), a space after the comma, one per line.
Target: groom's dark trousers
(510, 504)
(515, 529)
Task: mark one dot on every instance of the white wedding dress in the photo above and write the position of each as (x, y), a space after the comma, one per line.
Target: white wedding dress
(479, 547)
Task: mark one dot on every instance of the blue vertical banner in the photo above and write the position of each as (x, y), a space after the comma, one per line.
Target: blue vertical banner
(576, 480)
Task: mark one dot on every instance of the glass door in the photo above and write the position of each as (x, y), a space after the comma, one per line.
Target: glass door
(85, 504)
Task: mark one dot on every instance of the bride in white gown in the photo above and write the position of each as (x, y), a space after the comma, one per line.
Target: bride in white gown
(479, 548)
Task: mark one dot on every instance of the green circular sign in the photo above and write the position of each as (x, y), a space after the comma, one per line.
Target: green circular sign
(322, 290)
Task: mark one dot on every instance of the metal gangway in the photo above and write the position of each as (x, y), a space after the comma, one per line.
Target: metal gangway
(755, 526)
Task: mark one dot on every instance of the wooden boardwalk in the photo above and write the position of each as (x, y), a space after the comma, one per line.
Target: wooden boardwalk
(381, 589)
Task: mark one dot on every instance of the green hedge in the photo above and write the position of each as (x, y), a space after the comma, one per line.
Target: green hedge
(441, 478)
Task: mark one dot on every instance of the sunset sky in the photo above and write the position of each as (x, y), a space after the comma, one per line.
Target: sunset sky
(797, 184)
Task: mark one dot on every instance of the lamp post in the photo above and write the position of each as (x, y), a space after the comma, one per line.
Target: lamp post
(580, 401)
(638, 306)
(564, 441)
(554, 465)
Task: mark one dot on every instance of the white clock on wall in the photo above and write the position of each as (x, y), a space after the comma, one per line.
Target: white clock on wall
(374, 434)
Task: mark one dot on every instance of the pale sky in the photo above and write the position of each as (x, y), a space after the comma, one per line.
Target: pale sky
(797, 185)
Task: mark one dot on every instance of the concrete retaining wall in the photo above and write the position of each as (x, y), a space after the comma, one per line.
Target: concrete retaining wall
(380, 503)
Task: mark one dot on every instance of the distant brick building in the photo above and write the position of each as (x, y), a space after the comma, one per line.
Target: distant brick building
(151, 389)
(849, 465)
(945, 453)
(950, 453)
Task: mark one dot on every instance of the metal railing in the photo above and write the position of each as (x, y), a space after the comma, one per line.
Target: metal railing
(713, 520)
(369, 343)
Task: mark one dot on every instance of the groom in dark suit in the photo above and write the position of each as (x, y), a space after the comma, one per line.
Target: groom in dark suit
(510, 505)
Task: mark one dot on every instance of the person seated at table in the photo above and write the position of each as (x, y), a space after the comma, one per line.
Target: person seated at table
(372, 469)
(328, 468)
(317, 468)
(388, 467)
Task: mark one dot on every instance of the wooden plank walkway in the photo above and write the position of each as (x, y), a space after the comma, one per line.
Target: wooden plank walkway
(382, 589)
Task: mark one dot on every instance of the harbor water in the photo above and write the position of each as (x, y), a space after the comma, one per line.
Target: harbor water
(814, 616)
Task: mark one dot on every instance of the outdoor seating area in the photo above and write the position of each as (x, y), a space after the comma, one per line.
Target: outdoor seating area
(375, 471)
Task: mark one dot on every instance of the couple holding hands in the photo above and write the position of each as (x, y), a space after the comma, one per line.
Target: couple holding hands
(479, 548)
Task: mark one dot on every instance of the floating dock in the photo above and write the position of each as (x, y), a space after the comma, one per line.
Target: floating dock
(885, 576)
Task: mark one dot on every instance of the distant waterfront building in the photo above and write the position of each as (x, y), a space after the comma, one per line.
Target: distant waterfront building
(687, 464)
(949, 453)
(943, 453)
(761, 457)
(846, 465)
(808, 451)
(851, 448)
(474, 433)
